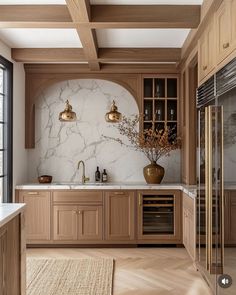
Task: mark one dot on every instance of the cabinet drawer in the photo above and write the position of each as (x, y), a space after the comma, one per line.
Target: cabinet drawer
(77, 197)
(33, 193)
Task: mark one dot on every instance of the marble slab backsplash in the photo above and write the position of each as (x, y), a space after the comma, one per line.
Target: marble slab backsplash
(60, 145)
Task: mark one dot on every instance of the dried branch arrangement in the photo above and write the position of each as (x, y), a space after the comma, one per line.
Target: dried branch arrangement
(153, 144)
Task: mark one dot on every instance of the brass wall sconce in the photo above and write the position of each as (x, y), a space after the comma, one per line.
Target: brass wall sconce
(113, 116)
(67, 115)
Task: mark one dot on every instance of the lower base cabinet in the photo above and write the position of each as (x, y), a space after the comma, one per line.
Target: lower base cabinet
(76, 223)
(10, 258)
(38, 215)
(189, 225)
(104, 217)
(120, 216)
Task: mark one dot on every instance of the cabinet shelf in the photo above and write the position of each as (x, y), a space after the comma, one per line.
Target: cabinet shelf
(160, 103)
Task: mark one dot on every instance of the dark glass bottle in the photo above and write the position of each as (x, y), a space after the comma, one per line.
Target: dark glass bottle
(104, 176)
(97, 175)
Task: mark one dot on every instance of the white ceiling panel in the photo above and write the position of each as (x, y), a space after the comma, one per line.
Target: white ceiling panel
(141, 37)
(147, 2)
(40, 38)
(30, 2)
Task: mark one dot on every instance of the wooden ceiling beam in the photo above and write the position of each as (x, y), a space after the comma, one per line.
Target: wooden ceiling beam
(35, 16)
(80, 12)
(105, 55)
(105, 68)
(139, 54)
(138, 16)
(48, 55)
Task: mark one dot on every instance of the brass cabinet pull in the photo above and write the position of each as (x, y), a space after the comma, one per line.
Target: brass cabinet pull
(140, 199)
(33, 193)
(75, 212)
(226, 45)
(119, 193)
(204, 68)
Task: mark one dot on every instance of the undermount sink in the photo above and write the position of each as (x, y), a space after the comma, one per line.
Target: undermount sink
(77, 183)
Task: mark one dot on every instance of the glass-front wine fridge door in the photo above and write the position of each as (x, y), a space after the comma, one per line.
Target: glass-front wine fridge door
(158, 214)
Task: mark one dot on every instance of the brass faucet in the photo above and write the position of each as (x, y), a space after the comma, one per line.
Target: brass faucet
(84, 178)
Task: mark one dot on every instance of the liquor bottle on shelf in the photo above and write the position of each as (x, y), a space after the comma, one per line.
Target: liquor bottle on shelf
(158, 114)
(146, 115)
(172, 114)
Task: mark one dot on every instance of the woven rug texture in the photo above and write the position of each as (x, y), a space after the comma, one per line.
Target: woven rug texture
(69, 276)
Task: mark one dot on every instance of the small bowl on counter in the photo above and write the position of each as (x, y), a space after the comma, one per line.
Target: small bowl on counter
(45, 179)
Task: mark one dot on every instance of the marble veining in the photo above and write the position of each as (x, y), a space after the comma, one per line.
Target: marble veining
(59, 146)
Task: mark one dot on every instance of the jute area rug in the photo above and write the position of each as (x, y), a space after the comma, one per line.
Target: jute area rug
(69, 276)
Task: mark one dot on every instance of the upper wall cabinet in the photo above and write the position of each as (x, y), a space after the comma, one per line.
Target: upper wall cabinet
(225, 29)
(160, 103)
(218, 40)
(223, 40)
(206, 46)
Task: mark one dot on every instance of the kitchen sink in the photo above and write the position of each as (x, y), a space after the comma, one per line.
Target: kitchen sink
(77, 183)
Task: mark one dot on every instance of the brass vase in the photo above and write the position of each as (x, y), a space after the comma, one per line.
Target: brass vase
(153, 173)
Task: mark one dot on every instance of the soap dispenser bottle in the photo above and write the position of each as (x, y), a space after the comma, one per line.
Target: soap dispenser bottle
(97, 175)
(104, 176)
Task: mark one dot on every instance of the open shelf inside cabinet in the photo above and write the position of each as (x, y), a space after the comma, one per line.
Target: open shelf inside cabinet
(160, 103)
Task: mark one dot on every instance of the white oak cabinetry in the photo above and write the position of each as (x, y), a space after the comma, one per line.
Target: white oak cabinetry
(230, 217)
(159, 217)
(103, 216)
(12, 257)
(77, 216)
(189, 225)
(225, 29)
(38, 214)
(218, 40)
(206, 47)
(120, 216)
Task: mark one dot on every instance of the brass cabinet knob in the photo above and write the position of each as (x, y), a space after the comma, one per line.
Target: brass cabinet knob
(226, 45)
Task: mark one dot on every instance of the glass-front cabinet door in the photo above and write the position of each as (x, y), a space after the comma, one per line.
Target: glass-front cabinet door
(159, 216)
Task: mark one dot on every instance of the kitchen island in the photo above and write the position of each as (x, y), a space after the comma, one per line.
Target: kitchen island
(12, 249)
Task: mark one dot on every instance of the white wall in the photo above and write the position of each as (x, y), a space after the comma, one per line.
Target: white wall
(59, 146)
(19, 152)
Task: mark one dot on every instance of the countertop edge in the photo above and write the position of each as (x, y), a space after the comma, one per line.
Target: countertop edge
(189, 190)
(11, 210)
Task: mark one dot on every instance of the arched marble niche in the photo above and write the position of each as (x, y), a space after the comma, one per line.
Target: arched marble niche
(59, 146)
(36, 82)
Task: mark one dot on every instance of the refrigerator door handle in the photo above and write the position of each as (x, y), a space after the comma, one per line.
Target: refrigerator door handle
(208, 186)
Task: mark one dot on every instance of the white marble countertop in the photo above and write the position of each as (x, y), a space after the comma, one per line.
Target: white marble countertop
(189, 190)
(8, 211)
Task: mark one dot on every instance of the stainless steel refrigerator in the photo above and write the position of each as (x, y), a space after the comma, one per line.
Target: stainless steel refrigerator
(216, 200)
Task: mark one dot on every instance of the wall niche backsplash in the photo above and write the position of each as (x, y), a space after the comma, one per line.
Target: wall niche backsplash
(59, 145)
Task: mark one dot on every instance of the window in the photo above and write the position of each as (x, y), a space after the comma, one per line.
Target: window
(6, 84)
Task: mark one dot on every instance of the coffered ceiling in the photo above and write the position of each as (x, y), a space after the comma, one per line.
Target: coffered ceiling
(98, 31)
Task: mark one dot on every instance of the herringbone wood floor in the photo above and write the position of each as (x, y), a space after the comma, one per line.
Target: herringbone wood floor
(142, 271)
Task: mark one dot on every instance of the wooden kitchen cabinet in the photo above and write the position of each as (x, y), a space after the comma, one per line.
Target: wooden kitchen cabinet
(38, 215)
(10, 258)
(206, 48)
(223, 31)
(65, 222)
(159, 217)
(230, 216)
(90, 222)
(189, 225)
(120, 216)
(75, 223)
(77, 216)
